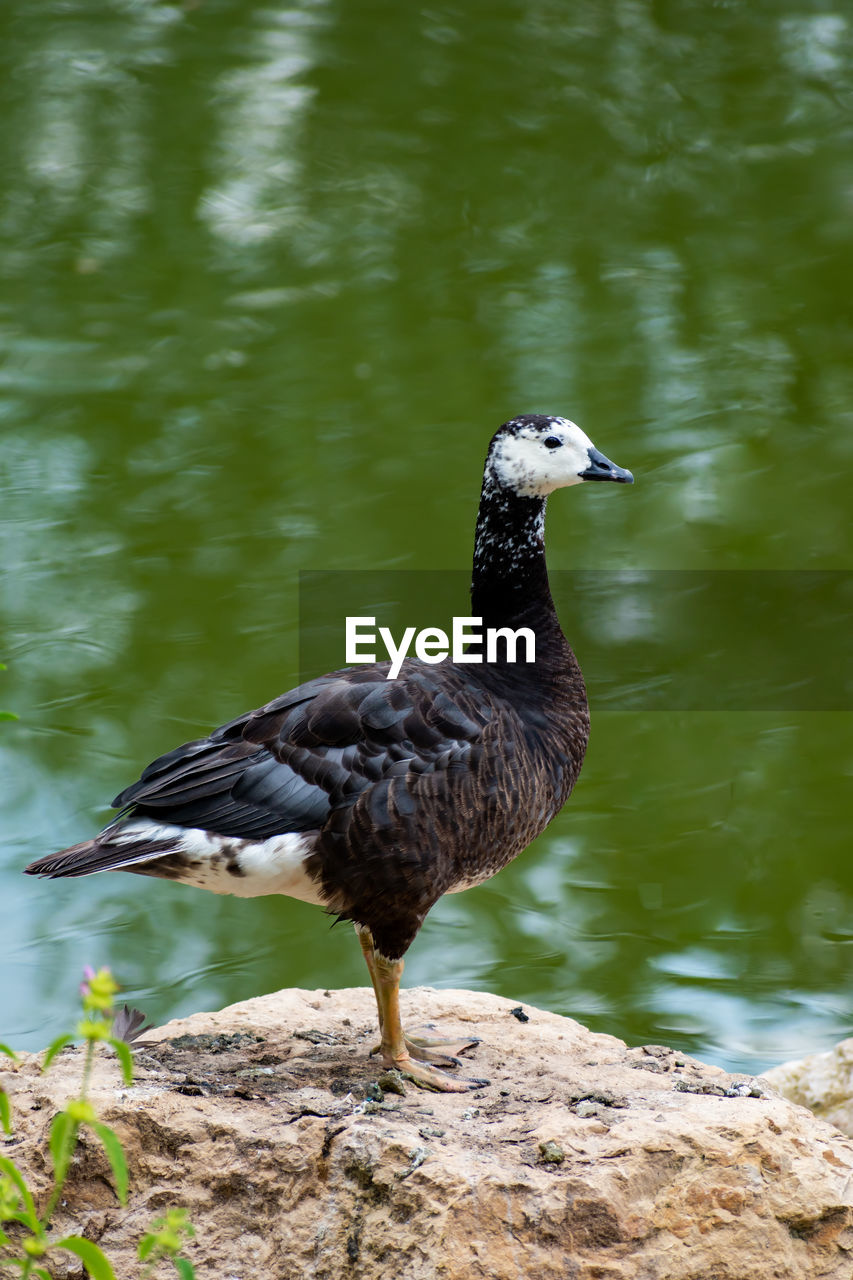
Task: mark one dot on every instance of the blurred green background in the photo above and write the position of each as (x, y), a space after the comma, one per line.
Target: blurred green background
(271, 276)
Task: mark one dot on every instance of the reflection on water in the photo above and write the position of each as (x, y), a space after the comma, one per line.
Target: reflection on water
(270, 282)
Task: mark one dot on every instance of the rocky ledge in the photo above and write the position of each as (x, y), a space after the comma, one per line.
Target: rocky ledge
(580, 1158)
(823, 1082)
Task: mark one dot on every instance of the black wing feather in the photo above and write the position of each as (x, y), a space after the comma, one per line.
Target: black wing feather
(406, 785)
(284, 767)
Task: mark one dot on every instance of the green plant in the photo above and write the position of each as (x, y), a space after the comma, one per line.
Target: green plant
(167, 1237)
(17, 1205)
(5, 1110)
(6, 715)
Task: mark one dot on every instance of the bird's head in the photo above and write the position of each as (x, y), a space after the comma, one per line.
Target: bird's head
(535, 454)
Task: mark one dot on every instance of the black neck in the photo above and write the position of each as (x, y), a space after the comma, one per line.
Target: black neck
(509, 586)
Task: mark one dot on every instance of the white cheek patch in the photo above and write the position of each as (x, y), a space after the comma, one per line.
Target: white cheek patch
(524, 464)
(515, 465)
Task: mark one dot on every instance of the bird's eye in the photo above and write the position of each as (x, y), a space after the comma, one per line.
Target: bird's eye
(553, 442)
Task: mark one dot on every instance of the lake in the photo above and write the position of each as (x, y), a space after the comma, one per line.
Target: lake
(272, 275)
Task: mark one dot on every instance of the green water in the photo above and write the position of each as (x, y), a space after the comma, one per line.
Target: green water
(270, 278)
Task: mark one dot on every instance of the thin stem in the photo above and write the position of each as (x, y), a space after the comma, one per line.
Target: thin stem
(87, 1069)
(70, 1139)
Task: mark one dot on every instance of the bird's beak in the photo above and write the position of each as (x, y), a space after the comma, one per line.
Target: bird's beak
(601, 468)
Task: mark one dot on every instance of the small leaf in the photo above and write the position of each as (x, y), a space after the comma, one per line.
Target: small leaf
(116, 1157)
(30, 1215)
(93, 1259)
(146, 1244)
(81, 1112)
(124, 1056)
(97, 991)
(5, 1111)
(94, 1029)
(53, 1049)
(8, 715)
(19, 1217)
(184, 1268)
(63, 1139)
(10, 1053)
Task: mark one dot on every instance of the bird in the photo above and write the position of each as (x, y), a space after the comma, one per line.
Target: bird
(373, 797)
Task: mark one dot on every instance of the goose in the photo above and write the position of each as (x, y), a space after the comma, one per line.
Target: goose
(372, 797)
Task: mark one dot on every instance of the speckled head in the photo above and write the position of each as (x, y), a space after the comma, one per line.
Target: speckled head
(535, 454)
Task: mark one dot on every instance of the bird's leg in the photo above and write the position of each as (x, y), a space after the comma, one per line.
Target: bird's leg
(395, 1050)
(365, 938)
(421, 1047)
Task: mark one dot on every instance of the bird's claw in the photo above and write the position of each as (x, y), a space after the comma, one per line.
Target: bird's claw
(427, 1076)
(440, 1051)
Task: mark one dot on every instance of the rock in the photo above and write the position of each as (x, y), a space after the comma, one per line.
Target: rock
(262, 1121)
(823, 1082)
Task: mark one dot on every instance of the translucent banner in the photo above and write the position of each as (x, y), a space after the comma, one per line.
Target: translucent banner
(655, 640)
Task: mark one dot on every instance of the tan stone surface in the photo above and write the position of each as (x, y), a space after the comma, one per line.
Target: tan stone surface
(823, 1082)
(581, 1160)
